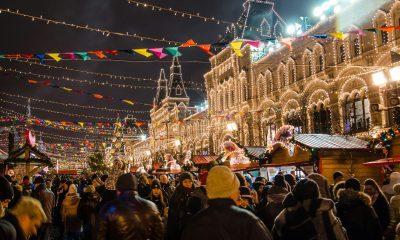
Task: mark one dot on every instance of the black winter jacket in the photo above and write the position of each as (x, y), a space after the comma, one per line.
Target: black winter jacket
(10, 228)
(223, 220)
(130, 217)
(357, 215)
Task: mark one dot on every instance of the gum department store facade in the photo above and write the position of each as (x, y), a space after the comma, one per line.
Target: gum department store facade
(318, 86)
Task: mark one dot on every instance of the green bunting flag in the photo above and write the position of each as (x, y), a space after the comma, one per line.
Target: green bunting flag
(83, 55)
(174, 51)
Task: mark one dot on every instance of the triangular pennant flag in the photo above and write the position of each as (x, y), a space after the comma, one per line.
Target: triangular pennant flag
(69, 55)
(32, 81)
(394, 56)
(40, 57)
(253, 43)
(319, 36)
(66, 89)
(387, 28)
(158, 52)
(112, 52)
(206, 48)
(189, 43)
(338, 35)
(27, 56)
(236, 45)
(139, 124)
(371, 30)
(81, 124)
(55, 56)
(98, 96)
(174, 51)
(99, 54)
(143, 51)
(83, 55)
(128, 102)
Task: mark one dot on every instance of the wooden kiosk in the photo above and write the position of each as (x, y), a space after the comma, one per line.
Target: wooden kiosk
(325, 154)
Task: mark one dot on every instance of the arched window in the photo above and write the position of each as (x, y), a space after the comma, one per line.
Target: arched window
(282, 75)
(342, 54)
(178, 91)
(270, 130)
(265, 28)
(309, 68)
(320, 63)
(291, 71)
(296, 122)
(357, 115)
(245, 91)
(356, 47)
(232, 97)
(321, 120)
(278, 30)
(384, 36)
(268, 77)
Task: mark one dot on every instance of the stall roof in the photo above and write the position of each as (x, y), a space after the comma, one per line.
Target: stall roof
(334, 142)
(383, 162)
(204, 159)
(257, 152)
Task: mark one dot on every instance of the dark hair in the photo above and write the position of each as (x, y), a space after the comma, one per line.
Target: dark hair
(279, 181)
(241, 178)
(290, 179)
(372, 182)
(353, 183)
(26, 177)
(259, 179)
(307, 189)
(39, 180)
(337, 187)
(337, 175)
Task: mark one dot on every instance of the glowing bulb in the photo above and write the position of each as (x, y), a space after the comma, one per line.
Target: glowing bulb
(318, 11)
(291, 29)
(337, 9)
(395, 73)
(379, 78)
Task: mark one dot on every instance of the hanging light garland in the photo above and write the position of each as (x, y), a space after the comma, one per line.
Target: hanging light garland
(104, 32)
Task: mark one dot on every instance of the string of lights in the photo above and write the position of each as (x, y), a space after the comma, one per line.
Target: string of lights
(73, 104)
(58, 112)
(104, 32)
(97, 73)
(98, 83)
(116, 60)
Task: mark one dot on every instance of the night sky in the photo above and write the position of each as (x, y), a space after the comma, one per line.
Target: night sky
(21, 35)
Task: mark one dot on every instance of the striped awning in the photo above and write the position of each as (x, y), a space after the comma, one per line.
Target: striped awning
(326, 141)
(256, 152)
(204, 159)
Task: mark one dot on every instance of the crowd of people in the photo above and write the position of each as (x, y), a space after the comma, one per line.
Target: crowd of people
(228, 206)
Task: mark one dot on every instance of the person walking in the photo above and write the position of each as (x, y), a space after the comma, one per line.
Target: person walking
(166, 186)
(307, 216)
(157, 196)
(87, 212)
(323, 185)
(6, 195)
(144, 188)
(356, 213)
(23, 221)
(223, 219)
(178, 211)
(130, 217)
(69, 214)
(47, 199)
(388, 188)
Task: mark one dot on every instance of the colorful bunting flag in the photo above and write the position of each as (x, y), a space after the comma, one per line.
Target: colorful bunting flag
(40, 57)
(387, 28)
(70, 55)
(128, 102)
(338, 35)
(236, 45)
(158, 52)
(55, 56)
(32, 81)
(83, 55)
(143, 51)
(98, 96)
(319, 36)
(66, 89)
(189, 43)
(173, 51)
(99, 54)
(253, 43)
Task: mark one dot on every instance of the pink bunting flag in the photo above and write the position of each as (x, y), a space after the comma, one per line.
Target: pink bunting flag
(357, 31)
(158, 52)
(253, 43)
(69, 56)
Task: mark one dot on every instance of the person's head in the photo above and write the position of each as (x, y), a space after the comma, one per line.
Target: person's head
(245, 197)
(186, 180)
(336, 188)
(72, 189)
(89, 189)
(164, 179)
(338, 176)
(38, 180)
(289, 178)
(353, 184)
(222, 183)
(143, 179)
(30, 215)
(306, 189)
(6, 192)
(261, 179)
(242, 179)
(279, 180)
(48, 183)
(26, 179)
(156, 188)
(371, 187)
(126, 182)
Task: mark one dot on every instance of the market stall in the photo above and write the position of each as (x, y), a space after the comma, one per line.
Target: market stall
(323, 153)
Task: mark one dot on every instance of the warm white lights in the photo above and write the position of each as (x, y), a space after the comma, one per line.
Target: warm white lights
(177, 143)
(395, 73)
(379, 78)
(231, 127)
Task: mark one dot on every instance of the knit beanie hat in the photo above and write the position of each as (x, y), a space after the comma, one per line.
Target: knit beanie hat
(353, 184)
(184, 176)
(126, 182)
(6, 191)
(221, 183)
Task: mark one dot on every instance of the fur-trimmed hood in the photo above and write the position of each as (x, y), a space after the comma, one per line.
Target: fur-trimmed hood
(353, 198)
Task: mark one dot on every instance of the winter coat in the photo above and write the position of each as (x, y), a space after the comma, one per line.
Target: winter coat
(144, 190)
(168, 189)
(69, 213)
(159, 203)
(270, 209)
(295, 222)
(381, 207)
(10, 228)
(47, 200)
(394, 211)
(130, 217)
(87, 214)
(357, 215)
(178, 213)
(223, 220)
